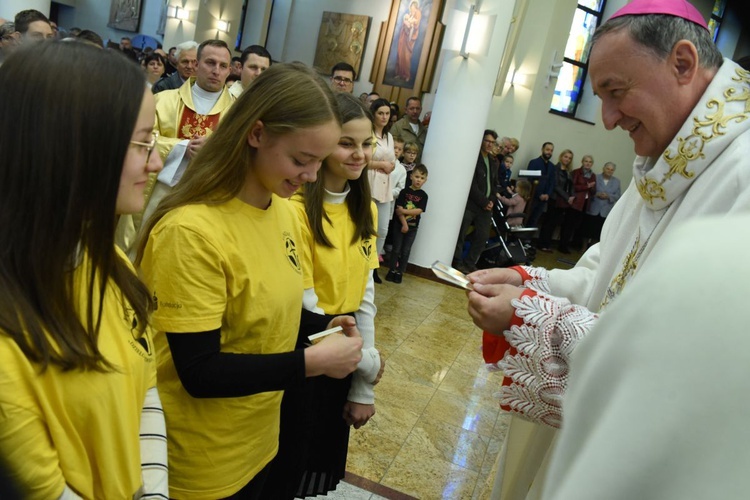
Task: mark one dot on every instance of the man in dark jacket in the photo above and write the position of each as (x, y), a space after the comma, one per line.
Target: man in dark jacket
(479, 206)
(187, 61)
(546, 182)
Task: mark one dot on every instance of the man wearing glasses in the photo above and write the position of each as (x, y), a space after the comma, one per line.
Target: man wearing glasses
(342, 78)
(479, 206)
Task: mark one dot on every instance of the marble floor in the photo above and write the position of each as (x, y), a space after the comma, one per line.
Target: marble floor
(438, 428)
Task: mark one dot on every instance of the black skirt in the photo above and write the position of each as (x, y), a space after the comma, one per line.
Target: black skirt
(313, 440)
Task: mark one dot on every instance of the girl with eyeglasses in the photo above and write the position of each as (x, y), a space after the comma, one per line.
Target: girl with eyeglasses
(80, 415)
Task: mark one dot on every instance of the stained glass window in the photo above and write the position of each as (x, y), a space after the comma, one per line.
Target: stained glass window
(572, 74)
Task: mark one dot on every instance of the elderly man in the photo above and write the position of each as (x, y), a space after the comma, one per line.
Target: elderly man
(607, 194)
(409, 127)
(186, 55)
(255, 60)
(661, 79)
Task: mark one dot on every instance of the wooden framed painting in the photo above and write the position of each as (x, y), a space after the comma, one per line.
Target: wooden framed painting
(341, 38)
(408, 49)
(411, 33)
(125, 15)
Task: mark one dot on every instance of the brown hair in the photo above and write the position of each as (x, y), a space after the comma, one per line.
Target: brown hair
(359, 200)
(523, 188)
(411, 146)
(57, 202)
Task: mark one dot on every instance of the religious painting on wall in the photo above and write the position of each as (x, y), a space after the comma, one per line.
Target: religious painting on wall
(409, 35)
(342, 38)
(125, 15)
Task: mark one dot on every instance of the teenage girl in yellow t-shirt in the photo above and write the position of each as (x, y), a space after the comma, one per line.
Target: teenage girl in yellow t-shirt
(79, 413)
(339, 230)
(222, 262)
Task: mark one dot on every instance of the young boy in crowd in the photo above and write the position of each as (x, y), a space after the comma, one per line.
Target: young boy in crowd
(503, 177)
(411, 150)
(410, 205)
(398, 181)
(398, 174)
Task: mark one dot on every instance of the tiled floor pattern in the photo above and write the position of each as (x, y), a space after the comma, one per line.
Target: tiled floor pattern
(438, 429)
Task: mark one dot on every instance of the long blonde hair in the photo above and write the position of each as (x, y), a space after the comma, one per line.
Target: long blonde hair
(286, 98)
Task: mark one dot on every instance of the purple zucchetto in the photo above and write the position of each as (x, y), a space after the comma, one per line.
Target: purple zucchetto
(677, 8)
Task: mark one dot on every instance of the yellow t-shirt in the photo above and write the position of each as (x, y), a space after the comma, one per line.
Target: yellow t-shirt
(78, 427)
(234, 267)
(339, 274)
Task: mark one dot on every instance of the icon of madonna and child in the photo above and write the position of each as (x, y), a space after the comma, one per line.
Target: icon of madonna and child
(407, 43)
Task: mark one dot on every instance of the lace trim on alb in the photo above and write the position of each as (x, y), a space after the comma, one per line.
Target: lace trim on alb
(538, 279)
(551, 329)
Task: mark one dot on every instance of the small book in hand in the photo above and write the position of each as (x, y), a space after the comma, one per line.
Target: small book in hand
(317, 337)
(451, 275)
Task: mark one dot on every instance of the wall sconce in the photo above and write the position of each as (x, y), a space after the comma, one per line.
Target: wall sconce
(222, 26)
(554, 69)
(178, 13)
(464, 53)
(469, 32)
(518, 78)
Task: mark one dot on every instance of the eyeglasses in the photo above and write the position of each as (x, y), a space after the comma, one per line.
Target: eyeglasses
(342, 79)
(148, 145)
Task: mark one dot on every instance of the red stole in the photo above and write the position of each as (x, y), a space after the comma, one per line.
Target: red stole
(194, 125)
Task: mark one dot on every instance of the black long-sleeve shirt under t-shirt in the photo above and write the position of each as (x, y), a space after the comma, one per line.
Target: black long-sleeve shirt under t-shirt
(206, 372)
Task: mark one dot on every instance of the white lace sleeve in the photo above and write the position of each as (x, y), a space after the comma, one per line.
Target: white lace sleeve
(537, 366)
(537, 278)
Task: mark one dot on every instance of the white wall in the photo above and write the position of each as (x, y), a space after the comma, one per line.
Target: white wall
(256, 22)
(94, 15)
(9, 8)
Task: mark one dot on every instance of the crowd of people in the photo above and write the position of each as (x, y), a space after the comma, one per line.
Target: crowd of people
(209, 214)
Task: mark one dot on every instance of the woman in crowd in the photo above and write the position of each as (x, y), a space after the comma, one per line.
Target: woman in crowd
(338, 226)
(382, 164)
(77, 368)
(153, 64)
(562, 196)
(221, 259)
(584, 187)
(607, 194)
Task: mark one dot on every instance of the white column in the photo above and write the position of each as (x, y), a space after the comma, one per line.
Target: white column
(459, 116)
(9, 8)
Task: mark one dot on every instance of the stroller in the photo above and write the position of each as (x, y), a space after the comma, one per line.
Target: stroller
(509, 246)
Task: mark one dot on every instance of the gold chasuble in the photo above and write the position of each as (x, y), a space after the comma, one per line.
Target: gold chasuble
(176, 120)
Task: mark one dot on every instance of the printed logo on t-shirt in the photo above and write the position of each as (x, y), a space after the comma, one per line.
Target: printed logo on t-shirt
(366, 248)
(291, 252)
(171, 305)
(139, 339)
